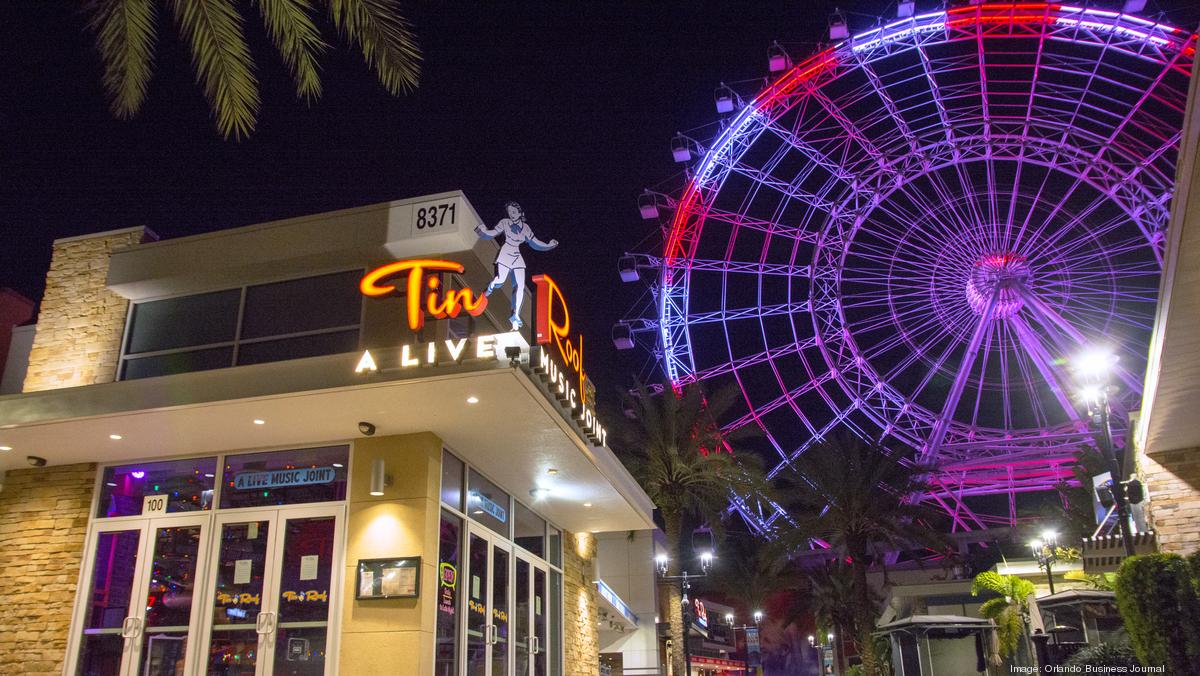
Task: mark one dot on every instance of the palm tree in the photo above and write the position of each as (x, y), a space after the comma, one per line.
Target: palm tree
(213, 30)
(677, 452)
(860, 500)
(1007, 609)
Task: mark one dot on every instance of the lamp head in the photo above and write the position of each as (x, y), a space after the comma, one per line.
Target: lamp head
(660, 562)
(706, 560)
(1095, 364)
(758, 615)
(729, 618)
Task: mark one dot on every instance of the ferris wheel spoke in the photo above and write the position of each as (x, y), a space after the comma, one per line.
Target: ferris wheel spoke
(812, 153)
(942, 423)
(754, 312)
(1051, 375)
(1052, 318)
(786, 188)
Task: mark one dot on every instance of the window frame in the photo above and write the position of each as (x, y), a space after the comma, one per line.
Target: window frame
(125, 356)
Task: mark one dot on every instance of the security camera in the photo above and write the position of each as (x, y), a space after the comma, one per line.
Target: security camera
(366, 428)
(35, 461)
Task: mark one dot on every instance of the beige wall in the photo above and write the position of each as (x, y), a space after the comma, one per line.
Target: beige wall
(80, 322)
(393, 636)
(43, 523)
(581, 637)
(1172, 482)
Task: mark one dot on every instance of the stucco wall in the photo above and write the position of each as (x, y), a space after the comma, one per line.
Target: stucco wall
(392, 636)
(43, 523)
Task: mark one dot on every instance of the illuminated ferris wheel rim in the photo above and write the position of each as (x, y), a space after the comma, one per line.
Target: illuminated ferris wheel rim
(1159, 43)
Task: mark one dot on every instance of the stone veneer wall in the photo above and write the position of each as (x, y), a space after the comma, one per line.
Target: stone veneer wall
(78, 339)
(1173, 485)
(581, 637)
(43, 522)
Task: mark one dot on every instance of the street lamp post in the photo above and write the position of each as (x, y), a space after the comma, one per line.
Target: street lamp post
(1095, 367)
(821, 647)
(684, 579)
(1045, 551)
(758, 616)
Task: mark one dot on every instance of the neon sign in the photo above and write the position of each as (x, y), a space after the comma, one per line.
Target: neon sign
(553, 327)
(438, 304)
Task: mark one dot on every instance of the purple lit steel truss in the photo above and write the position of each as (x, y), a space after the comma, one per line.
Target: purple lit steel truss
(908, 233)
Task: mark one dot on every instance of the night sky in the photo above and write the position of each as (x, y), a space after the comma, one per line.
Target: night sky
(567, 108)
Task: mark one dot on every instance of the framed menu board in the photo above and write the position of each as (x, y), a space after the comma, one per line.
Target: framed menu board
(388, 578)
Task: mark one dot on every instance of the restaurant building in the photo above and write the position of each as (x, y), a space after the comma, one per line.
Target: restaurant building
(304, 447)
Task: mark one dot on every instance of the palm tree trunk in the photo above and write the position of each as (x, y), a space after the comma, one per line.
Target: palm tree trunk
(864, 616)
(671, 592)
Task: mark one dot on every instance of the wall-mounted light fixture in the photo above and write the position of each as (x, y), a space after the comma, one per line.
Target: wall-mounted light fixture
(379, 477)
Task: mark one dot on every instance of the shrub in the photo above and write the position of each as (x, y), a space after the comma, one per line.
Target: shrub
(1106, 655)
(1157, 597)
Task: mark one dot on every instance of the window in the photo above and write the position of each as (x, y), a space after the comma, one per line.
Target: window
(284, 477)
(554, 547)
(452, 480)
(449, 568)
(487, 504)
(529, 530)
(188, 485)
(299, 318)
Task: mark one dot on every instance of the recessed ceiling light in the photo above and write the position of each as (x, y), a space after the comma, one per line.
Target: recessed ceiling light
(338, 465)
(551, 471)
(472, 399)
(587, 504)
(260, 421)
(115, 437)
(5, 448)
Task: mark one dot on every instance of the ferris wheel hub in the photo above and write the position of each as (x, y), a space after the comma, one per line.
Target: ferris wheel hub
(999, 276)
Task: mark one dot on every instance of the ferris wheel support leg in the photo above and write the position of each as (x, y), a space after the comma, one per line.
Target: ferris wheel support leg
(960, 379)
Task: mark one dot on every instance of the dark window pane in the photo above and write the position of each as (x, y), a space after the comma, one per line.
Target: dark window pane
(284, 477)
(298, 348)
(181, 322)
(449, 568)
(554, 548)
(452, 480)
(487, 504)
(188, 485)
(302, 305)
(530, 531)
(177, 362)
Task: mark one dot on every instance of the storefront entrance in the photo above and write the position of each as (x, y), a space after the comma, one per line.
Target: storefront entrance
(529, 617)
(514, 641)
(274, 576)
(141, 583)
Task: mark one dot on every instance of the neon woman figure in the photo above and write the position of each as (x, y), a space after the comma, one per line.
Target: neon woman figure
(509, 260)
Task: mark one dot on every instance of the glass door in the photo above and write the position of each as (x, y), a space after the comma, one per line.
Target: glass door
(141, 578)
(529, 618)
(489, 640)
(274, 583)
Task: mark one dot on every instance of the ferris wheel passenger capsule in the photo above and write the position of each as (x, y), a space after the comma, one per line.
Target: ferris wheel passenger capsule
(725, 99)
(681, 148)
(777, 58)
(838, 30)
(647, 205)
(627, 267)
(622, 336)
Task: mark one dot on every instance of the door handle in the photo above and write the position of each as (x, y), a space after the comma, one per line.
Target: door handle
(264, 623)
(493, 636)
(535, 645)
(131, 627)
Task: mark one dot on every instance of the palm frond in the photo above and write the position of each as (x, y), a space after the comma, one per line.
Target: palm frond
(125, 33)
(299, 42)
(213, 31)
(385, 37)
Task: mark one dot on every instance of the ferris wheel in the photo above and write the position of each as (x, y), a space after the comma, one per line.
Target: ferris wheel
(908, 234)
